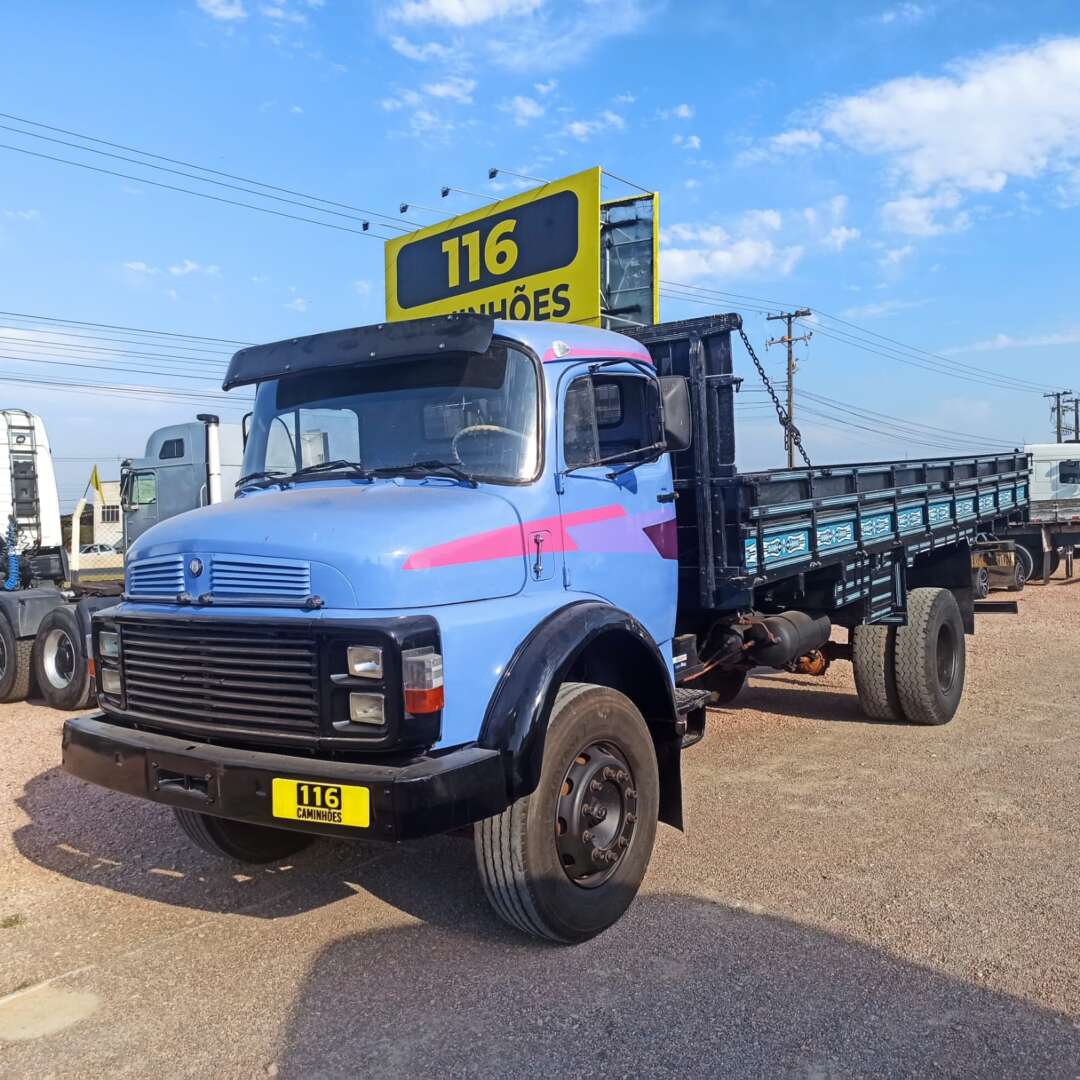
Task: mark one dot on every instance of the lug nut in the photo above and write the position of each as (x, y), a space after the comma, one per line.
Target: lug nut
(631, 793)
(631, 818)
(598, 856)
(622, 776)
(623, 842)
(595, 785)
(586, 837)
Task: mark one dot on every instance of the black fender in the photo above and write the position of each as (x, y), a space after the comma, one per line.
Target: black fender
(618, 652)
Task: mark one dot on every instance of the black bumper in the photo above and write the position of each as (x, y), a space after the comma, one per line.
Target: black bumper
(432, 795)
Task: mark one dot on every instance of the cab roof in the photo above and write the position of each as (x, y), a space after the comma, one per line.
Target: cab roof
(465, 332)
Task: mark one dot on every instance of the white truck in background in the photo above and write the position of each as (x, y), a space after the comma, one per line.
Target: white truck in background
(1051, 530)
(45, 603)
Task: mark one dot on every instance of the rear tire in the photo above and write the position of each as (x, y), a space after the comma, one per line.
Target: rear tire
(1026, 560)
(552, 864)
(60, 662)
(930, 657)
(239, 840)
(980, 586)
(1019, 577)
(15, 663)
(873, 651)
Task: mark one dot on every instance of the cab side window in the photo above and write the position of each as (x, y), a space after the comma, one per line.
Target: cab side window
(1069, 472)
(607, 416)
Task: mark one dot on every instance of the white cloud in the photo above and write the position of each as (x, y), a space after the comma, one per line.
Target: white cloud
(137, 266)
(687, 142)
(906, 13)
(917, 215)
(677, 112)
(406, 99)
(881, 309)
(172, 295)
(423, 121)
(895, 256)
(297, 303)
(462, 12)
(1006, 341)
(281, 13)
(544, 88)
(189, 266)
(625, 98)
(453, 88)
(1000, 115)
(691, 184)
(839, 236)
(523, 109)
(693, 252)
(362, 288)
(787, 143)
(223, 10)
(430, 50)
(296, 110)
(22, 215)
(583, 130)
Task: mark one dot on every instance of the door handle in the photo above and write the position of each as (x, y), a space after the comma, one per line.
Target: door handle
(538, 566)
(667, 496)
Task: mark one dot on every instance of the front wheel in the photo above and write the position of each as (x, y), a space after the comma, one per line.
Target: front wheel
(239, 840)
(565, 862)
(60, 662)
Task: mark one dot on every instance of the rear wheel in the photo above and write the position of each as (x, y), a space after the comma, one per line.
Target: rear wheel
(565, 862)
(930, 657)
(1019, 577)
(980, 585)
(60, 662)
(239, 840)
(873, 650)
(1026, 560)
(15, 656)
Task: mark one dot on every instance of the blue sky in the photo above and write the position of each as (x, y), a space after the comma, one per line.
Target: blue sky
(910, 168)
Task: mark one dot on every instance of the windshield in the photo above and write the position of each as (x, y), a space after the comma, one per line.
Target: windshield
(477, 412)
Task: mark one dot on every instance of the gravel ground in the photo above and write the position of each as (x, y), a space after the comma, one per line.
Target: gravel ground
(850, 899)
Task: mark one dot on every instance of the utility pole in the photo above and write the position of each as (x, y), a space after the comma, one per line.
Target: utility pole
(1075, 403)
(1057, 395)
(789, 341)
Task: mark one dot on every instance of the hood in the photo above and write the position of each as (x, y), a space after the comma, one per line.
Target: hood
(387, 544)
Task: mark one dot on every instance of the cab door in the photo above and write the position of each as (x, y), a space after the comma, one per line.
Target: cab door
(616, 496)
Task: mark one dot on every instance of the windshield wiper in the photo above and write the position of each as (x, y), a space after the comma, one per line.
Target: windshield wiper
(339, 465)
(429, 467)
(268, 476)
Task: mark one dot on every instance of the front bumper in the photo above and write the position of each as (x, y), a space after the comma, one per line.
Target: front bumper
(434, 794)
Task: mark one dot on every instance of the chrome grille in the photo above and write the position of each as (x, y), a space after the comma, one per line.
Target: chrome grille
(238, 576)
(221, 672)
(163, 576)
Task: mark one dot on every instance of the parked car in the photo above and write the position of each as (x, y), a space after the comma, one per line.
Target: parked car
(97, 549)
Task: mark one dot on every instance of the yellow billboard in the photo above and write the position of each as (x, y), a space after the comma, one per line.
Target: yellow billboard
(533, 256)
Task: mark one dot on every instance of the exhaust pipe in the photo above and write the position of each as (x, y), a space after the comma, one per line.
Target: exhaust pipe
(794, 634)
(213, 457)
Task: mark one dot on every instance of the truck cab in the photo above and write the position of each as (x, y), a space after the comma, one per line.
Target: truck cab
(444, 594)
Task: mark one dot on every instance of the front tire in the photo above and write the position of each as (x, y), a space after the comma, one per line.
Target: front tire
(565, 862)
(239, 840)
(60, 662)
(930, 657)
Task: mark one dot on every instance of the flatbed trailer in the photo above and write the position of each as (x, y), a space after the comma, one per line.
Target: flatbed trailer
(842, 544)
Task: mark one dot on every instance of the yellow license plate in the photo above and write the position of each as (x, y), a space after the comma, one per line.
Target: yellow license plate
(321, 804)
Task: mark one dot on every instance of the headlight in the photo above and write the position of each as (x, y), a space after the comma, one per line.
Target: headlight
(365, 661)
(109, 644)
(367, 709)
(111, 682)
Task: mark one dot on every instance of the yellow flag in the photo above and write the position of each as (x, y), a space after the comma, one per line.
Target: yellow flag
(95, 483)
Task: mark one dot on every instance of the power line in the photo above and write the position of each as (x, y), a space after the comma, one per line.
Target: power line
(103, 367)
(71, 334)
(141, 393)
(189, 191)
(128, 329)
(938, 360)
(200, 168)
(49, 346)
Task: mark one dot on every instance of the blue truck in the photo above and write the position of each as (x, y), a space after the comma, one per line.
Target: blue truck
(491, 574)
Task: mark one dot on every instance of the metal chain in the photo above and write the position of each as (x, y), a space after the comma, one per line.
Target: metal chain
(790, 430)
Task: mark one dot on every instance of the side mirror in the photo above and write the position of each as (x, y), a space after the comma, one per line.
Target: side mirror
(678, 427)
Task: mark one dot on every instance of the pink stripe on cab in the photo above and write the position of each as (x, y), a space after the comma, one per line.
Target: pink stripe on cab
(596, 354)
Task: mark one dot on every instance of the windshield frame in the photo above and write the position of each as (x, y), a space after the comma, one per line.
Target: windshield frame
(540, 433)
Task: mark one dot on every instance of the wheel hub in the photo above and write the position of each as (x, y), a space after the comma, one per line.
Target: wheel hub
(58, 659)
(595, 814)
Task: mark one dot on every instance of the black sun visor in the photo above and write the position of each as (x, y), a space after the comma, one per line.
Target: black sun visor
(464, 333)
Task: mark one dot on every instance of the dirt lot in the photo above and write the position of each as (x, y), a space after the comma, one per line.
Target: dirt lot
(849, 899)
